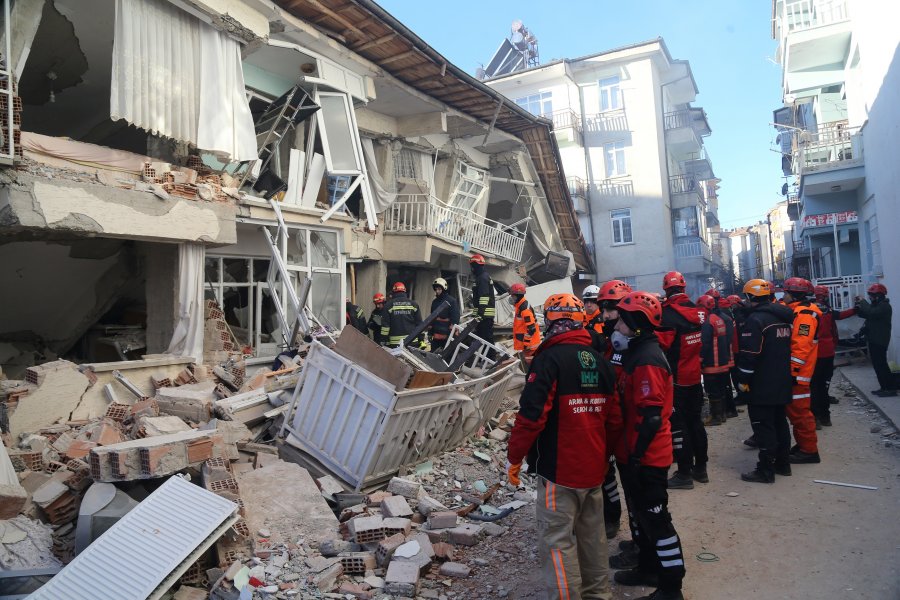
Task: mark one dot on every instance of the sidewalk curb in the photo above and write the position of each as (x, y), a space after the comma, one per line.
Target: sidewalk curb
(877, 407)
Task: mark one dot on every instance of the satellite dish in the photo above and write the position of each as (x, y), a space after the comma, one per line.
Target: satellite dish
(516, 25)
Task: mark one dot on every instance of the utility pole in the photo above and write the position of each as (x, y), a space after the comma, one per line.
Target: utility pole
(771, 247)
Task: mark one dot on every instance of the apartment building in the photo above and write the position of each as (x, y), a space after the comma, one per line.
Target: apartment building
(632, 147)
(266, 156)
(841, 85)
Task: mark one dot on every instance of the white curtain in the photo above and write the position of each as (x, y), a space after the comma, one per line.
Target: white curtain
(178, 77)
(187, 340)
(381, 196)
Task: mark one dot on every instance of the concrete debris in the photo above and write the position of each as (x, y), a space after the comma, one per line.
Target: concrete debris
(59, 386)
(26, 544)
(151, 457)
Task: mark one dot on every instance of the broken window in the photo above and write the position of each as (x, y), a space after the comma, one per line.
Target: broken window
(471, 185)
(314, 253)
(406, 164)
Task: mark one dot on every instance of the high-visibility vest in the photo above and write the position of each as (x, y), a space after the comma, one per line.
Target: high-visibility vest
(804, 341)
(526, 335)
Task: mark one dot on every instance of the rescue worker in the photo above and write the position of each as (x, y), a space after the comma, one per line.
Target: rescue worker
(377, 317)
(821, 379)
(764, 375)
(798, 293)
(569, 421)
(526, 334)
(680, 339)
(593, 319)
(716, 359)
(401, 317)
(877, 313)
(442, 324)
(646, 447)
(483, 299)
(355, 317)
(735, 308)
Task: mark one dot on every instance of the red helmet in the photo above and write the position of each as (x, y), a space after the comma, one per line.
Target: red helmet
(674, 279)
(798, 285)
(706, 302)
(877, 288)
(713, 293)
(399, 287)
(733, 300)
(476, 259)
(564, 306)
(613, 290)
(645, 303)
(517, 289)
(378, 298)
(821, 293)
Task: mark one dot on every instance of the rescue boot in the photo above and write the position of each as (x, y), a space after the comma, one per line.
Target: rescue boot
(818, 424)
(826, 421)
(636, 577)
(679, 481)
(661, 595)
(611, 530)
(624, 560)
(699, 474)
(759, 476)
(629, 546)
(802, 458)
(716, 412)
(751, 441)
(731, 413)
(783, 470)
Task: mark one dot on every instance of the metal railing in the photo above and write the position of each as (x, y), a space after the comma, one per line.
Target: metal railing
(615, 187)
(832, 143)
(800, 15)
(425, 214)
(692, 250)
(678, 119)
(577, 186)
(683, 184)
(606, 121)
(566, 118)
(842, 291)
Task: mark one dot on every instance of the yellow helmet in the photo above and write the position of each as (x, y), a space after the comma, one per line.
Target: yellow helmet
(758, 288)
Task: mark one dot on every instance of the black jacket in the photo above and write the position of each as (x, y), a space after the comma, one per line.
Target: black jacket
(764, 358)
(355, 317)
(878, 321)
(376, 319)
(440, 327)
(483, 296)
(402, 316)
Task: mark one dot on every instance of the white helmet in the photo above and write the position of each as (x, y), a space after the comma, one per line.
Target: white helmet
(591, 292)
(441, 282)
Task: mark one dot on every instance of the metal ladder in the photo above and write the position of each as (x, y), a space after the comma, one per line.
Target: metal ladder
(280, 118)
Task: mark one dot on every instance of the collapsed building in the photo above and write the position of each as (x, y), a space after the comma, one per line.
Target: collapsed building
(189, 188)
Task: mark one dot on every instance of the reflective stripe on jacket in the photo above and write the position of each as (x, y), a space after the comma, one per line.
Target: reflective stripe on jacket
(717, 337)
(804, 341)
(401, 317)
(526, 334)
(483, 296)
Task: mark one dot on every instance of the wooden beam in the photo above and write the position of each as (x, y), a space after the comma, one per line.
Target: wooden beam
(331, 13)
(383, 39)
(396, 57)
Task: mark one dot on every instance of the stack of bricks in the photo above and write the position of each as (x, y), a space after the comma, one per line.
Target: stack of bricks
(17, 121)
(151, 457)
(219, 479)
(216, 334)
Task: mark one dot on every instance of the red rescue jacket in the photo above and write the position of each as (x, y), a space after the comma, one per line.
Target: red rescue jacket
(680, 338)
(717, 335)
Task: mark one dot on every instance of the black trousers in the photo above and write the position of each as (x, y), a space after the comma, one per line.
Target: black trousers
(770, 428)
(818, 388)
(715, 385)
(485, 330)
(688, 434)
(878, 355)
(612, 502)
(653, 531)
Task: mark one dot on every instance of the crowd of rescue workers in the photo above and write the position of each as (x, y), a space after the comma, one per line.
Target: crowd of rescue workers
(616, 382)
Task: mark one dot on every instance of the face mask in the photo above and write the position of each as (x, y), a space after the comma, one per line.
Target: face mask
(619, 341)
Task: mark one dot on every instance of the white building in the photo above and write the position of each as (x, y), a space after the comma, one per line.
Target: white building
(842, 112)
(632, 148)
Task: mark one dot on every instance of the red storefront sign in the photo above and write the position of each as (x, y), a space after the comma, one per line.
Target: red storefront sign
(830, 219)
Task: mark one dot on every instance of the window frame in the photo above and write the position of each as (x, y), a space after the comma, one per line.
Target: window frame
(473, 200)
(618, 166)
(617, 222)
(610, 93)
(539, 98)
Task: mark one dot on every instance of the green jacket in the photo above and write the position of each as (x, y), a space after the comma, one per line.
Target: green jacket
(878, 320)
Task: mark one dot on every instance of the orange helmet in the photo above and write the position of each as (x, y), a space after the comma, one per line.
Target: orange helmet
(517, 289)
(564, 306)
(378, 298)
(821, 292)
(877, 288)
(733, 300)
(399, 287)
(613, 290)
(706, 302)
(644, 303)
(758, 288)
(476, 259)
(798, 285)
(674, 279)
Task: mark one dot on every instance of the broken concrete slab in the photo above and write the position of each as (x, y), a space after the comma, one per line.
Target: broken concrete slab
(395, 506)
(248, 408)
(455, 570)
(34, 551)
(165, 425)
(12, 495)
(405, 487)
(150, 457)
(284, 498)
(193, 401)
(402, 579)
(59, 388)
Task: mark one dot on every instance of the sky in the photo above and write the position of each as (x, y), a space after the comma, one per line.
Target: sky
(727, 42)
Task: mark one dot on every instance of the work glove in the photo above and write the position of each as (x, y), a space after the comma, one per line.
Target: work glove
(743, 387)
(512, 472)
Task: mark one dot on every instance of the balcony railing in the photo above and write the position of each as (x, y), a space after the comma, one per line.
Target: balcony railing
(425, 214)
(683, 184)
(566, 118)
(577, 186)
(693, 250)
(614, 187)
(607, 121)
(831, 144)
(800, 15)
